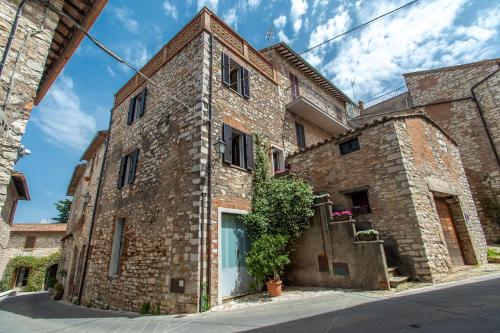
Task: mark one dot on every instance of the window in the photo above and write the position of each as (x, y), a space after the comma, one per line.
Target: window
(349, 146)
(235, 76)
(301, 137)
(116, 248)
(360, 204)
(239, 148)
(294, 86)
(278, 160)
(22, 276)
(339, 112)
(30, 242)
(136, 107)
(128, 166)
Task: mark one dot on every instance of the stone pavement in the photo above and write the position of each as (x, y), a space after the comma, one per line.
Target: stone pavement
(471, 306)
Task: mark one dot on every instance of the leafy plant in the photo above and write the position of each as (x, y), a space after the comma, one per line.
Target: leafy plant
(63, 207)
(267, 258)
(493, 252)
(145, 308)
(58, 286)
(369, 234)
(51, 282)
(205, 301)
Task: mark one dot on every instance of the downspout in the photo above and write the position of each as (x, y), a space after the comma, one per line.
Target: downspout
(94, 212)
(481, 115)
(12, 35)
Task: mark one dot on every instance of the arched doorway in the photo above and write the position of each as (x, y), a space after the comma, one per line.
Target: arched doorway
(50, 275)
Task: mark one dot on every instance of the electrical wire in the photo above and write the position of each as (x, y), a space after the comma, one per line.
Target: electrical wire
(358, 27)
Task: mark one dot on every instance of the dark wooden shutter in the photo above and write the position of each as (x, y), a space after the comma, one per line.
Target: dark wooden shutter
(123, 163)
(130, 117)
(143, 101)
(225, 69)
(133, 166)
(249, 151)
(301, 139)
(227, 137)
(246, 82)
(30, 242)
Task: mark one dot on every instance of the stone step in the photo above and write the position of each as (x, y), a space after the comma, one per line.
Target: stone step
(392, 271)
(395, 281)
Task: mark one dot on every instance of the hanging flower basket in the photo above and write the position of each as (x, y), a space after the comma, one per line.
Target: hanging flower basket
(367, 235)
(342, 216)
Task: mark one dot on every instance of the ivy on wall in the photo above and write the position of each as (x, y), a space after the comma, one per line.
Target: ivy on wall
(38, 267)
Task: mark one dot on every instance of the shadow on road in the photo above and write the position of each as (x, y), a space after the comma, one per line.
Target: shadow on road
(41, 306)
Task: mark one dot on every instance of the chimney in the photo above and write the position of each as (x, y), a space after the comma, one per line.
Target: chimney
(361, 105)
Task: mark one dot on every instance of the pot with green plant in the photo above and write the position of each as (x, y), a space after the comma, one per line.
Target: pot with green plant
(58, 291)
(266, 260)
(367, 235)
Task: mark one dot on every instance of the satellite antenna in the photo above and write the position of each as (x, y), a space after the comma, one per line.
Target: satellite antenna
(270, 35)
(353, 82)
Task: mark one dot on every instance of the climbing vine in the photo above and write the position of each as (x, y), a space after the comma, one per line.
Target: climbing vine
(37, 266)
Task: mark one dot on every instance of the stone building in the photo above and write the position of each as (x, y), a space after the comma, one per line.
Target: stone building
(83, 188)
(403, 177)
(165, 228)
(37, 240)
(35, 44)
(464, 100)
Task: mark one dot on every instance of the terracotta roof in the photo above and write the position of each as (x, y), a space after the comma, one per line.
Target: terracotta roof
(67, 38)
(94, 145)
(39, 227)
(75, 178)
(293, 57)
(21, 185)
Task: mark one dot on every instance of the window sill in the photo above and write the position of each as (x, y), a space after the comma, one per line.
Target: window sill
(236, 92)
(113, 277)
(237, 167)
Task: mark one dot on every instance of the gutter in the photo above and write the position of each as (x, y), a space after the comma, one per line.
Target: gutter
(94, 214)
(12, 35)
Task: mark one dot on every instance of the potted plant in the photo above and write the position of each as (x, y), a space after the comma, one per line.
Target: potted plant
(342, 215)
(266, 259)
(367, 235)
(58, 291)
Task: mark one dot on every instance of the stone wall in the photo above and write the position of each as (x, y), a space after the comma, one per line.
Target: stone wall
(401, 209)
(19, 81)
(445, 95)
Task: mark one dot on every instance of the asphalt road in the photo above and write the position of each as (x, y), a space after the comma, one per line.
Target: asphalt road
(472, 306)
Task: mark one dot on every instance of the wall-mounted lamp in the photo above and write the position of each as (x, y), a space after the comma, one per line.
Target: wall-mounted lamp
(220, 147)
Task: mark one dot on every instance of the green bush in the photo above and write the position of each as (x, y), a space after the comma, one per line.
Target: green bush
(51, 282)
(267, 258)
(145, 308)
(493, 253)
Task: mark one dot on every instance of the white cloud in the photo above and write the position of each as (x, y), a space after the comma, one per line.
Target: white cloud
(61, 119)
(283, 37)
(253, 3)
(211, 4)
(297, 10)
(422, 36)
(111, 71)
(280, 22)
(231, 18)
(170, 10)
(332, 27)
(125, 16)
(136, 53)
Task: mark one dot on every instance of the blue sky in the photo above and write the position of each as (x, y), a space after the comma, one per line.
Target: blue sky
(429, 34)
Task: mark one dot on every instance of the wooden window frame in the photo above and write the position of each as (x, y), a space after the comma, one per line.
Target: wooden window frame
(128, 169)
(136, 107)
(30, 242)
(300, 134)
(349, 146)
(246, 150)
(240, 85)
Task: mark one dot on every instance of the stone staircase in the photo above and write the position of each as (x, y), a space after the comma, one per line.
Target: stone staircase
(394, 278)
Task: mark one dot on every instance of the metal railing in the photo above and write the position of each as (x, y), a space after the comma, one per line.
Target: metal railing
(386, 96)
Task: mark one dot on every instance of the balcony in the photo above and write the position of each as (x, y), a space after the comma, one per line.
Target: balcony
(316, 108)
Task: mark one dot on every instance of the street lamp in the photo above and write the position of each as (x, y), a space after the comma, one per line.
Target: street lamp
(220, 147)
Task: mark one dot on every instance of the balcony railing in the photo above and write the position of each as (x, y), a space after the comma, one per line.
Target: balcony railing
(315, 107)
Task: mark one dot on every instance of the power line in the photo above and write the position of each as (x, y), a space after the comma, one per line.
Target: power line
(359, 26)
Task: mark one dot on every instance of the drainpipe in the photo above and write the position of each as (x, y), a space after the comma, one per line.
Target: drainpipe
(481, 115)
(94, 212)
(12, 35)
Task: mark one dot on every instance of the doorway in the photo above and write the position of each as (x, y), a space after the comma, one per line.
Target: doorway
(50, 276)
(449, 232)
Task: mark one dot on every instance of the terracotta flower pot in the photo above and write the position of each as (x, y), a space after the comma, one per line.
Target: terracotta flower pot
(274, 287)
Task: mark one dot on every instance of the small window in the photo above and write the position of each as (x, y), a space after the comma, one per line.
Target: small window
(30, 242)
(360, 203)
(128, 167)
(116, 248)
(278, 159)
(22, 276)
(235, 76)
(301, 137)
(349, 146)
(136, 107)
(294, 86)
(239, 148)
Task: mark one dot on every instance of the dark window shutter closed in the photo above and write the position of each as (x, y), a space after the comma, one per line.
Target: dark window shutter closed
(246, 82)
(227, 136)
(133, 166)
(225, 69)
(121, 175)
(130, 117)
(249, 151)
(143, 101)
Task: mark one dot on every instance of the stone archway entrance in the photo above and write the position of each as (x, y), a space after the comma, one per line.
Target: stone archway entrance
(50, 274)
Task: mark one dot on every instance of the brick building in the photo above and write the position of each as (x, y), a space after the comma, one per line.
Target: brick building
(165, 232)
(403, 177)
(464, 100)
(83, 188)
(35, 45)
